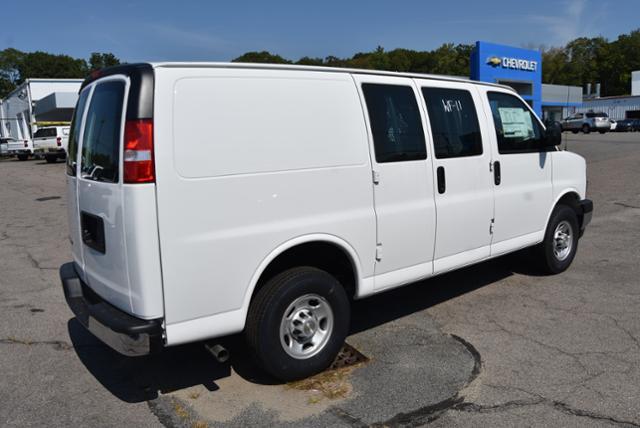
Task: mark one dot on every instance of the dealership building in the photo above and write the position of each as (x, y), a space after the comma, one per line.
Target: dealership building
(522, 70)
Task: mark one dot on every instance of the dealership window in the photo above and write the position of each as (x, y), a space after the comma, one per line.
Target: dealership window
(454, 122)
(517, 129)
(395, 123)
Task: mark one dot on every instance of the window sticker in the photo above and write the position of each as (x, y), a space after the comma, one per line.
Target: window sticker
(516, 122)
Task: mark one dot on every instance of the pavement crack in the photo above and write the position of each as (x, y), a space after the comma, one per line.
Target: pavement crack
(36, 264)
(565, 408)
(622, 204)
(347, 417)
(558, 405)
(58, 345)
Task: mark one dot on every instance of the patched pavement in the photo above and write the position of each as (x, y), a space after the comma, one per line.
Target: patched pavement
(494, 344)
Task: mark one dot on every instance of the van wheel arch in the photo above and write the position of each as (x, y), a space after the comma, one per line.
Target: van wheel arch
(324, 255)
(570, 199)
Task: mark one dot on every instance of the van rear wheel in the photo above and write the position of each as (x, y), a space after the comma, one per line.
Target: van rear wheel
(297, 323)
(560, 243)
(51, 158)
(22, 157)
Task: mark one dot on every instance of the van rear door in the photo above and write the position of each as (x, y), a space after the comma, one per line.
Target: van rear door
(100, 193)
(116, 199)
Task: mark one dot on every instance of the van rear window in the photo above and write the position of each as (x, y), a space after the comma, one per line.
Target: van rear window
(45, 132)
(101, 138)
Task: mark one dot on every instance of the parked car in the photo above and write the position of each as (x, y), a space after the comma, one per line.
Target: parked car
(320, 185)
(51, 142)
(22, 149)
(587, 122)
(625, 125)
(4, 146)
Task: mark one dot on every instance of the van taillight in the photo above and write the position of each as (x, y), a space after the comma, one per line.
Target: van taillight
(138, 151)
(59, 141)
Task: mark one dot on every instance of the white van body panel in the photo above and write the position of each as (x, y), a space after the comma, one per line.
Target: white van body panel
(569, 174)
(301, 161)
(234, 321)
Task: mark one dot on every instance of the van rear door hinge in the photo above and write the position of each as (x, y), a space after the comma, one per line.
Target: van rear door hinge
(493, 220)
(375, 176)
(378, 252)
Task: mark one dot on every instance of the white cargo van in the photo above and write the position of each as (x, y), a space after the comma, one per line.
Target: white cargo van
(51, 142)
(318, 185)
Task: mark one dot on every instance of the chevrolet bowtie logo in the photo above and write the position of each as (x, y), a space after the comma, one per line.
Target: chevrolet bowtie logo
(494, 60)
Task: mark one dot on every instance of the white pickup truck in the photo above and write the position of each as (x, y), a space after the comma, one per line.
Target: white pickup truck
(51, 142)
(319, 185)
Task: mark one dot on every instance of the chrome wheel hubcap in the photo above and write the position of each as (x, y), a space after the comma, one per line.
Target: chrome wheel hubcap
(562, 240)
(306, 326)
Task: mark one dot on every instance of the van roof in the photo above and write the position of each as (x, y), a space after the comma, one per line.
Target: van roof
(261, 66)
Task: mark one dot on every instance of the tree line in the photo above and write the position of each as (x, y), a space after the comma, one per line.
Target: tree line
(17, 66)
(581, 61)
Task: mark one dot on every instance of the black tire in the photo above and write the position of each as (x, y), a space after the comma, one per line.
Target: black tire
(586, 129)
(602, 132)
(51, 158)
(549, 262)
(575, 131)
(23, 157)
(267, 311)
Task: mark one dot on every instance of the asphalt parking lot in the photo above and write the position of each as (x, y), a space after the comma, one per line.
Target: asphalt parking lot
(492, 345)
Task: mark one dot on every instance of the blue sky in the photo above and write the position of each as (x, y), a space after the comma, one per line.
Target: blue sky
(219, 31)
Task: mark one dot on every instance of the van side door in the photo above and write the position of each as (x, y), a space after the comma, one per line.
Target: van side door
(462, 157)
(403, 179)
(523, 182)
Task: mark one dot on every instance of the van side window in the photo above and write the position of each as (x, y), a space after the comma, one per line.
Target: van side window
(517, 129)
(454, 122)
(76, 121)
(101, 138)
(395, 123)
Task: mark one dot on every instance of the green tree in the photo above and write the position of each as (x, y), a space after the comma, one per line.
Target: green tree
(99, 60)
(261, 57)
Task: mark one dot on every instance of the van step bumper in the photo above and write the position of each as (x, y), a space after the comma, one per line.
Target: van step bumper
(124, 333)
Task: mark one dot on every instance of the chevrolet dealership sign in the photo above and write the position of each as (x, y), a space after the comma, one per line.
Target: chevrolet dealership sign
(513, 63)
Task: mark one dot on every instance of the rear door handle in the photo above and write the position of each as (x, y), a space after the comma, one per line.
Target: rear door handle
(497, 177)
(442, 184)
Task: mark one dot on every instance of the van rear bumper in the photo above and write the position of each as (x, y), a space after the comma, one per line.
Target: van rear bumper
(124, 333)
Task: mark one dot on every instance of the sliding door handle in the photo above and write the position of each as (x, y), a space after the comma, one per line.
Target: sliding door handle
(442, 183)
(497, 177)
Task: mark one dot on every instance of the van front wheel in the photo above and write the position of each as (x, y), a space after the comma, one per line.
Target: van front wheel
(560, 243)
(297, 323)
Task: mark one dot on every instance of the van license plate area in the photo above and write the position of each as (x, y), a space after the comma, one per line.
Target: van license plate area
(93, 231)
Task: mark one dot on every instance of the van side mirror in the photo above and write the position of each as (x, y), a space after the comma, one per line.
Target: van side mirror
(553, 134)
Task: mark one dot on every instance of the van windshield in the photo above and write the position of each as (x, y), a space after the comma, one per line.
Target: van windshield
(101, 138)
